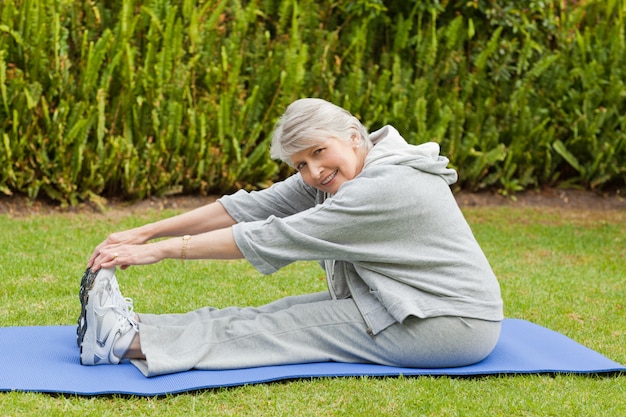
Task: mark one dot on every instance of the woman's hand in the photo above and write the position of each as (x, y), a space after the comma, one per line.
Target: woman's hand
(129, 248)
(125, 255)
(106, 250)
(204, 219)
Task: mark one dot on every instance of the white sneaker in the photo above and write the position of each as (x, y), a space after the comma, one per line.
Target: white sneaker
(106, 317)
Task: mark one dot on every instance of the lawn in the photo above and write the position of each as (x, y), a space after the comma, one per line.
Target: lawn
(563, 269)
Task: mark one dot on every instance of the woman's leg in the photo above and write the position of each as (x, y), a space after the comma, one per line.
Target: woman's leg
(318, 330)
(206, 313)
(184, 319)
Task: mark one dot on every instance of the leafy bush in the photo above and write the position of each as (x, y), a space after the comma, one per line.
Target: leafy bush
(149, 97)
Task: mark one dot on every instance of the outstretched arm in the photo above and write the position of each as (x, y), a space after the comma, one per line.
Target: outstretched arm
(197, 223)
(217, 244)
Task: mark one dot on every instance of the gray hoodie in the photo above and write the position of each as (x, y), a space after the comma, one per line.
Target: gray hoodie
(393, 238)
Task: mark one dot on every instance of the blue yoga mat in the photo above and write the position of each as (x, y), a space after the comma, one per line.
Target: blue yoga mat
(45, 359)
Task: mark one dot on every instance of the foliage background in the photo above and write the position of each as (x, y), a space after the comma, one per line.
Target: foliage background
(133, 98)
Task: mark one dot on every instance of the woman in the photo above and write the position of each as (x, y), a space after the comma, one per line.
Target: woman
(408, 284)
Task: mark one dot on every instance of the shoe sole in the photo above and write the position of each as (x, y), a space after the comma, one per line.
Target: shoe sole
(86, 284)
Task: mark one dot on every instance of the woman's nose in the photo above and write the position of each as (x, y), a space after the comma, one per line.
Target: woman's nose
(314, 168)
(318, 170)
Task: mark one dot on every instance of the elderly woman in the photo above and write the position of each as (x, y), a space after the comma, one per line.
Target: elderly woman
(408, 284)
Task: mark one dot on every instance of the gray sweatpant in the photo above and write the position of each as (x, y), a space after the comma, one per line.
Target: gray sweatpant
(303, 329)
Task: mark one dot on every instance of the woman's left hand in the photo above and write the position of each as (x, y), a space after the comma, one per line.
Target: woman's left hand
(126, 255)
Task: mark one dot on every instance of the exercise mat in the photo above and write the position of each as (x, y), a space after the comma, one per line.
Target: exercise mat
(45, 359)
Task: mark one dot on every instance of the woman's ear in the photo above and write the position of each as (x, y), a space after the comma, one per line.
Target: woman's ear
(356, 139)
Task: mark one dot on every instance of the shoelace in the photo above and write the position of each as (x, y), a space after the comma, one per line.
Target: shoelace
(123, 305)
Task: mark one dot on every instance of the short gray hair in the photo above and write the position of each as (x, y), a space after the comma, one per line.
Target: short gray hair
(309, 121)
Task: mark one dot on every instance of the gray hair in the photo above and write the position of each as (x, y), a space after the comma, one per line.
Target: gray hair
(310, 121)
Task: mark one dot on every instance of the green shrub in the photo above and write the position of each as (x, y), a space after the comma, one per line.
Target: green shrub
(148, 97)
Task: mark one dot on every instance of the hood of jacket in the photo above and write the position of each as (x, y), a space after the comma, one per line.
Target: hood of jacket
(391, 149)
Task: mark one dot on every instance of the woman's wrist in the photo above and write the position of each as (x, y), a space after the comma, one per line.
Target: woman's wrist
(149, 231)
(144, 233)
(183, 248)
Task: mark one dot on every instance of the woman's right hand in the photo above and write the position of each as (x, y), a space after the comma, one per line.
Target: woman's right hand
(126, 237)
(203, 219)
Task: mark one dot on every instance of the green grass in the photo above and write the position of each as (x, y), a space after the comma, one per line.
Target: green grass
(564, 270)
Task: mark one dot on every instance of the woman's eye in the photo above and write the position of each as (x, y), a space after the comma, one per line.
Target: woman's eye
(300, 166)
(317, 151)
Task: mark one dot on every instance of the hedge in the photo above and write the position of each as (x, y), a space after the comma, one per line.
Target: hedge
(133, 98)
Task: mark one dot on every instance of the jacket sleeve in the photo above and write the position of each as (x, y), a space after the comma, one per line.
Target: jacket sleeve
(282, 199)
(351, 226)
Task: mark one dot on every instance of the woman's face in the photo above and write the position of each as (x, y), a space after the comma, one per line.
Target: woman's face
(329, 164)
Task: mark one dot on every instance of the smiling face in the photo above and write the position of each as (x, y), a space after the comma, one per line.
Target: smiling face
(329, 164)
